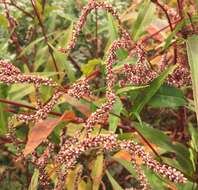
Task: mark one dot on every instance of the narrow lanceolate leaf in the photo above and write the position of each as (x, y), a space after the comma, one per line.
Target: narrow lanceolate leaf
(114, 35)
(88, 68)
(3, 114)
(64, 64)
(114, 183)
(129, 88)
(168, 97)
(168, 41)
(114, 120)
(192, 49)
(73, 178)
(34, 181)
(149, 92)
(126, 164)
(194, 137)
(42, 130)
(145, 16)
(96, 173)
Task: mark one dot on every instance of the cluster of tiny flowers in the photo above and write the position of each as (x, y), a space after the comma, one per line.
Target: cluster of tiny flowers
(173, 15)
(110, 79)
(100, 113)
(8, 68)
(41, 162)
(164, 170)
(79, 89)
(139, 50)
(141, 74)
(180, 77)
(103, 111)
(69, 154)
(77, 179)
(43, 112)
(138, 74)
(140, 174)
(85, 12)
(9, 74)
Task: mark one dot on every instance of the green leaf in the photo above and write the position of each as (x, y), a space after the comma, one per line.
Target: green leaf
(157, 137)
(129, 88)
(3, 21)
(149, 92)
(156, 181)
(34, 181)
(189, 185)
(113, 33)
(127, 165)
(192, 49)
(115, 36)
(64, 64)
(66, 36)
(114, 120)
(167, 97)
(32, 44)
(145, 17)
(114, 183)
(3, 114)
(168, 40)
(90, 66)
(18, 91)
(194, 137)
(97, 170)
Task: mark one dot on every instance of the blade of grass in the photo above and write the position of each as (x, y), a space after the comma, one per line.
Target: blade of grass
(192, 50)
(114, 183)
(144, 18)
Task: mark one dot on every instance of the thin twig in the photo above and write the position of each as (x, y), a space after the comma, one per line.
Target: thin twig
(96, 17)
(17, 104)
(11, 3)
(45, 35)
(170, 25)
(14, 36)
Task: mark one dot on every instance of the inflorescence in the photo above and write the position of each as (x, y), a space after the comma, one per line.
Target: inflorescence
(72, 147)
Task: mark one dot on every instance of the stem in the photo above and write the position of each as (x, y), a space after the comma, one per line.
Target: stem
(180, 8)
(45, 35)
(74, 63)
(14, 36)
(11, 3)
(17, 104)
(96, 16)
(170, 25)
(192, 24)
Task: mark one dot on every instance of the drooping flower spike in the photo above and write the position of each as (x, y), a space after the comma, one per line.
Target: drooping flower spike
(82, 20)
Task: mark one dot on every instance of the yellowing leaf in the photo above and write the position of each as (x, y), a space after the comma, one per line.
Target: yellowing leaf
(90, 66)
(34, 181)
(72, 177)
(123, 155)
(42, 130)
(96, 173)
(192, 49)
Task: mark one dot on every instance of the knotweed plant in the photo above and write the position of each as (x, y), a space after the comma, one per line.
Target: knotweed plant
(65, 156)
